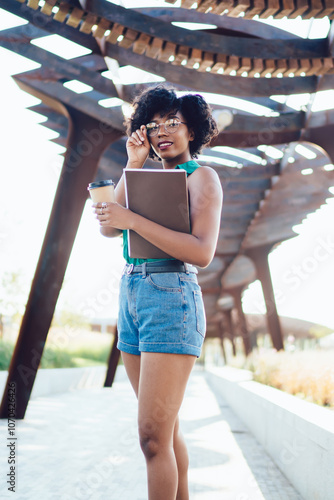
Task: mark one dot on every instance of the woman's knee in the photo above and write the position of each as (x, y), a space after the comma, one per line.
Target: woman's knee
(152, 439)
(149, 446)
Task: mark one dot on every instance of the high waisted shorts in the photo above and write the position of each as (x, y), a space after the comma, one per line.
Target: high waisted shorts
(161, 312)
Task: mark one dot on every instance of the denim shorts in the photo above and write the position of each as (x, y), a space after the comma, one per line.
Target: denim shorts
(161, 312)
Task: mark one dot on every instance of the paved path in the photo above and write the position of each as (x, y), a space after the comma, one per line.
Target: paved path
(83, 445)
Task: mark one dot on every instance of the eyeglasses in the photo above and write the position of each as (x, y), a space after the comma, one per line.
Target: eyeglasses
(171, 126)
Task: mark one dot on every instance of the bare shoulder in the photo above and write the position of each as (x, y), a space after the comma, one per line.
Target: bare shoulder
(206, 180)
(205, 173)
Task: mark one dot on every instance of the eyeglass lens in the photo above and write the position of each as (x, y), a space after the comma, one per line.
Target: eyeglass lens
(170, 126)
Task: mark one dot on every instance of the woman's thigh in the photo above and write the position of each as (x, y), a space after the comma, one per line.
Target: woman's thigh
(132, 368)
(162, 383)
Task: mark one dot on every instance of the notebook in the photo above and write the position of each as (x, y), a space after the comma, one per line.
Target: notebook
(161, 196)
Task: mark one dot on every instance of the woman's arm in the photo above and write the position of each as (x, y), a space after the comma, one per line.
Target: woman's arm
(198, 248)
(138, 148)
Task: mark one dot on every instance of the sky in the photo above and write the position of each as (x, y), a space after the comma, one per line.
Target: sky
(302, 269)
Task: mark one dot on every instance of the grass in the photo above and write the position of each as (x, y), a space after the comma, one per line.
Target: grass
(87, 349)
(306, 374)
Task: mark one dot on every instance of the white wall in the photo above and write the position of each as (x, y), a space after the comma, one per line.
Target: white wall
(53, 380)
(298, 435)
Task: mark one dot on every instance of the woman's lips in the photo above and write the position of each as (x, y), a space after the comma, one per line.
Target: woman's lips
(164, 144)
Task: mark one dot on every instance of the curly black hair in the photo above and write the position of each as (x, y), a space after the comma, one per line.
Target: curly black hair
(163, 99)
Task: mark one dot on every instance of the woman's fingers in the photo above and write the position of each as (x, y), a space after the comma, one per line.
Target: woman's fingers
(139, 136)
(100, 209)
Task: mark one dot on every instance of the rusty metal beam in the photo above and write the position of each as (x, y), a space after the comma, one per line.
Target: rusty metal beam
(112, 362)
(86, 141)
(259, 256)
(238, 46)
(221, 84)
(44, 22)
(233, 26)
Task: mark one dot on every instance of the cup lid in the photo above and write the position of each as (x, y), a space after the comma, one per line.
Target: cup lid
(93, 185)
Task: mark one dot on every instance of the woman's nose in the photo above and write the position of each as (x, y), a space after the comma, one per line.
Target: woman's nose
(162, 129)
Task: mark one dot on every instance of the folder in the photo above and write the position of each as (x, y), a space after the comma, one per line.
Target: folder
(158, 195)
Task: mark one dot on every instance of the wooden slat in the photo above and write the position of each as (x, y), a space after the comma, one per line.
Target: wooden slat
(256, 9)
(168, 50)
(328, 65)
(182, 54)
(301, 7)
(154, 48)
(269, 67)
(186, 4)
(327, 9)
(141, 43)
(195, 57)
(315, 65)
(233, 64)
(75, 17)
(207, 61)
(288, 6)
(245, 65)
(63, 11)
(204, 5)
(102, 26)
(241, 6)
(130, 37)
(257, 67)
(33, 4)
(293, 67)
(89, 20)
(115, 32)
(316, 7)
(318, 66)
(281, 67)
(48, 6)
(220, 7)
(220, 63)
(272, 6)
(304, 67)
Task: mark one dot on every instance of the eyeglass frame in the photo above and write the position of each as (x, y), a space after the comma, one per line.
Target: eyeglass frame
(164, 124)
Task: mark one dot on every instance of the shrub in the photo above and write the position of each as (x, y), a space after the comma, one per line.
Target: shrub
(306, 374)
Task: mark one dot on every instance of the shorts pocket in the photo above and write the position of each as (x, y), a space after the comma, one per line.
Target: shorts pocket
(167, 282)
(200, 312)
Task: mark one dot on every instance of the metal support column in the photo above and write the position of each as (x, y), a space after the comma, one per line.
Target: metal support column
(259, 256)
(112, 362)
(87, 139)
(236, 294)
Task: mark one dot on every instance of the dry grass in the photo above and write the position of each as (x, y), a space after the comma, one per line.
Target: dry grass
(306, 374)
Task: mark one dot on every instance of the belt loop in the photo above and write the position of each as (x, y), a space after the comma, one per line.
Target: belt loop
(186, 267)
(130, 269)
(144, 269)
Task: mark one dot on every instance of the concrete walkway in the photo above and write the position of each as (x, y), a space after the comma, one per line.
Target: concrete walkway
(83, 445)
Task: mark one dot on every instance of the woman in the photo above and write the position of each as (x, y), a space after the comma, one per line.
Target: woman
(161, 321)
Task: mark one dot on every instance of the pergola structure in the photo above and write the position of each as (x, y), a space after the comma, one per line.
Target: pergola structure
(238, 57)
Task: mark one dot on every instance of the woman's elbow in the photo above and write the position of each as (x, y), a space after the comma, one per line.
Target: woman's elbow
(110, 232)
(203, 263)
(203, 259)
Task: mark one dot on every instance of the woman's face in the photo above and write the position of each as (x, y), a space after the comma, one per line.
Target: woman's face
(171, 146)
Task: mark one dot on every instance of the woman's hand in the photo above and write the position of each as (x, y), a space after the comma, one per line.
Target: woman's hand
(138, 148)
(113, 215)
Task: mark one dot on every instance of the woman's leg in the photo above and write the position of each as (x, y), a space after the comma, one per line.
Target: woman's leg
(182, 462)
(132, 366)
(162, 383)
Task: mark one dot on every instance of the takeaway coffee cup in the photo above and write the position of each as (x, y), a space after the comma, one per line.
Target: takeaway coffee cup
(102, 191)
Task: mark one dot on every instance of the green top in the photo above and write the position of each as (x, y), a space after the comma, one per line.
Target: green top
(189, 167)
